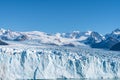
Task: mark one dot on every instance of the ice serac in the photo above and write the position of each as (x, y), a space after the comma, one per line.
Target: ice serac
(58, 62)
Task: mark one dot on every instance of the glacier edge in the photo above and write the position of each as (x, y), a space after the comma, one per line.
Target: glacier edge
(52, 63)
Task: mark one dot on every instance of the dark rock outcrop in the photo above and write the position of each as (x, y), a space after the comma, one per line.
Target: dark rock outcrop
(21, 38)
(70, 45)
(116, 47)
(93, 38)
(3, 43)
(105, 44)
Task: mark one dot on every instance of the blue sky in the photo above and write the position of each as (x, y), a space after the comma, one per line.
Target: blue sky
(53, 16)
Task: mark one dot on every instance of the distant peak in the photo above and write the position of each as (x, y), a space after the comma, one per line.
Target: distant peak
(88, 32)
(76, 31)
(117, 30)
(2, 29)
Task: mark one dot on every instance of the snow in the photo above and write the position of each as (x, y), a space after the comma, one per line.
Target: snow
(88, 32)
(56, 39)
(76, 37)
(23, 61)
(82, 38)
(117, 33)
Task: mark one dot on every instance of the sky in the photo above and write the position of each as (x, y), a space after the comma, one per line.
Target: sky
(53, 16)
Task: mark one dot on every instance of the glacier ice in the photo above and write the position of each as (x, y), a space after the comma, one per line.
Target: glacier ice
(51, 62)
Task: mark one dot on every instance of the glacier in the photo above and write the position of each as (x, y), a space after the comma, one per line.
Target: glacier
(54, 62)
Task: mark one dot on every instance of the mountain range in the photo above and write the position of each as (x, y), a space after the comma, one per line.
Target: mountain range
(75, 38)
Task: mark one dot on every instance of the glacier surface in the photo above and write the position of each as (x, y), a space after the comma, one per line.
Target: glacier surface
(53, 62)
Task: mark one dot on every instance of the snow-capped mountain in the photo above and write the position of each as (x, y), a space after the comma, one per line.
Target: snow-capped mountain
(81, 36)
(76, 35)
(105, 44)
(93, 38)
(75, 38)
(11, 35)
(89, 37)
(109, 40)
(115, 34)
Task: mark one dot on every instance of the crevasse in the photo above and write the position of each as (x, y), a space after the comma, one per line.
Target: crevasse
(52, 63)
